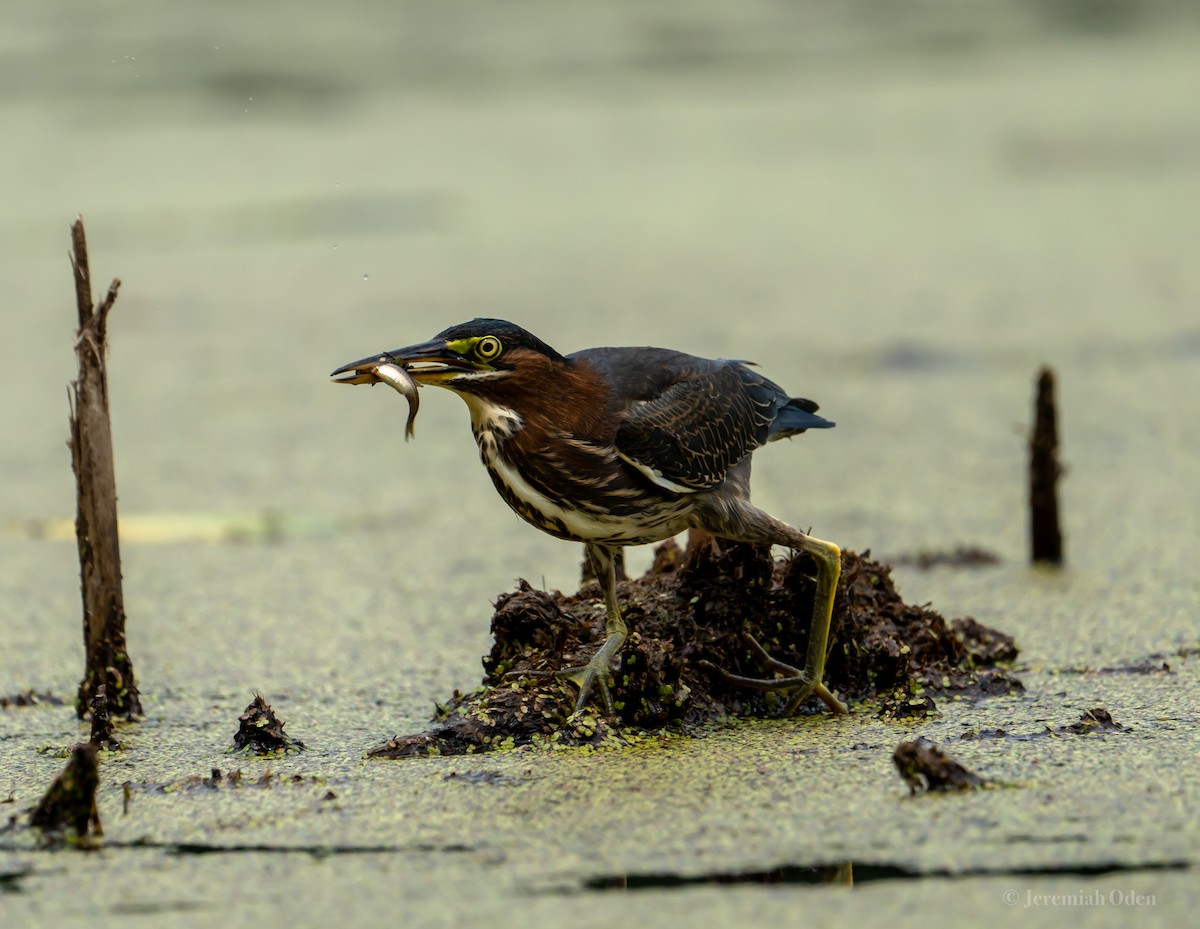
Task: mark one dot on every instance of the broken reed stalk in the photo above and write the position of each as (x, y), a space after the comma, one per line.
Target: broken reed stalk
(107, 660)
(69, 804)
(1045, 534)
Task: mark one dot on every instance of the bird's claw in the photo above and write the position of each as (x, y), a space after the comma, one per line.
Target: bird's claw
(587, 677)
(796, 683)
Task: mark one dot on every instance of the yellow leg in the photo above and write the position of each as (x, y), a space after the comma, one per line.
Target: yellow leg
(829, 569)
(745, 523)
(594, 674)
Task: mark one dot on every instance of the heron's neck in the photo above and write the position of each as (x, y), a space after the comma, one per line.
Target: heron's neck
(491, 422)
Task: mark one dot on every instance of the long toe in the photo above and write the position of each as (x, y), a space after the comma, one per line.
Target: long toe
(796, 684)
(589, 677)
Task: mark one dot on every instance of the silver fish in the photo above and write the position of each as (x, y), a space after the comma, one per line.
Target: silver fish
(401, 381)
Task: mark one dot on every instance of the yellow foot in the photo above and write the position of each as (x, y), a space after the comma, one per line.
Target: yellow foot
(587, 677)
(797, 684)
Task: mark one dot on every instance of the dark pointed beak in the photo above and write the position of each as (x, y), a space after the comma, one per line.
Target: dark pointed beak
(426, 362)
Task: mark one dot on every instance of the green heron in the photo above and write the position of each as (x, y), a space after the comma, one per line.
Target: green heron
(624, 446)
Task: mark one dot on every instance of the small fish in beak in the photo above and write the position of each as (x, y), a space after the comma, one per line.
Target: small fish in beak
(385, 370)
(401, 381)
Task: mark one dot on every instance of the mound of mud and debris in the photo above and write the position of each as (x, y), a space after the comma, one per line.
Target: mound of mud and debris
(695, 607)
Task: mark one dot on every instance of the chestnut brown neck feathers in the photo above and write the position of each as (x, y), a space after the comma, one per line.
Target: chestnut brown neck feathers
(551, 396)
(546, 433)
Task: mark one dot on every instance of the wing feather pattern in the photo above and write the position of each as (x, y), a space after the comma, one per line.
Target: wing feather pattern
(685, 420)
(688, 436)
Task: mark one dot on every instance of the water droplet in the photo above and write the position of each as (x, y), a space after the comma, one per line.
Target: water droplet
(335, 247)
(366, 277)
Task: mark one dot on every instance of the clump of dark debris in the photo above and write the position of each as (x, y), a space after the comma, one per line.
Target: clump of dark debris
(261, 731)
(215, 781)
(68, 808)
(103, 732)
(961, 556)
(1097, 719)
(696, 606)
(29, 698)
(902, 704)
(226, 781)
(925, 767)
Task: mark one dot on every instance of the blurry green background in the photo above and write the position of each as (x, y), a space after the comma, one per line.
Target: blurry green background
(900, 210)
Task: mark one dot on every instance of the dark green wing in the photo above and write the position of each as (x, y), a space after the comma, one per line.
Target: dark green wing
(685, 421)
(688, 437)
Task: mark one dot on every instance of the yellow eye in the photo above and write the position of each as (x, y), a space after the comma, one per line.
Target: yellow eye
(488, 348)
